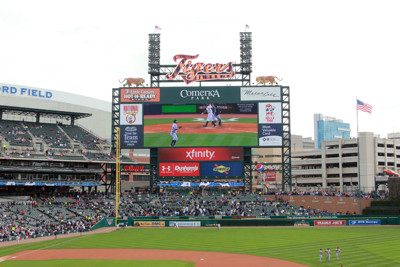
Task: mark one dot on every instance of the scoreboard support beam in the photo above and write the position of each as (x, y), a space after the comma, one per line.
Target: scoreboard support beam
(286, 139)
(153, 169)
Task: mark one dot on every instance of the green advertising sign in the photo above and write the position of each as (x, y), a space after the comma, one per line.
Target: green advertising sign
(189, 95)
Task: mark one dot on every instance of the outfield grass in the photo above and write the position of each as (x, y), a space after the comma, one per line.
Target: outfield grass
(196, 120)
(361, 246)
(212, 140)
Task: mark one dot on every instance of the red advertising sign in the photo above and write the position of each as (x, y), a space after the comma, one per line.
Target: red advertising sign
(330, 223)
(140, 95)
(200, 154)
(179, 169)
(270, 176)
(133, 168)
(200, 71)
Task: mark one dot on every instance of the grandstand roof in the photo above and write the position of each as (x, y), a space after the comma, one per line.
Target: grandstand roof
(43, 112)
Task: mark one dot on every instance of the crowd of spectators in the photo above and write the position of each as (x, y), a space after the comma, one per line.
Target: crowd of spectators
(50, 215)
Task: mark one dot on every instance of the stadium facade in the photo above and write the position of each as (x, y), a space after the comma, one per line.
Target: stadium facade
(40, 98)
(337, 165)
(53, 141)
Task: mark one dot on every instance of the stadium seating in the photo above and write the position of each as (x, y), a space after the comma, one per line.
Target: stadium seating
(49, 133)
(14, 133)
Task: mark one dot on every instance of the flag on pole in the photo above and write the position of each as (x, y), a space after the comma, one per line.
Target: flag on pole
(157, 28)
(247, 26)
(364, 106)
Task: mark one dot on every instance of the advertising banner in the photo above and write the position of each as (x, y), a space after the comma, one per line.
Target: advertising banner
(201, 184)
(149, 223)
(187, 95)
(140, 95)
(226, 169)
(200, 154)
(269, 112)
(260, 93)
(365, 222)
(131, 136)
(131, 114)
(179, 169)
(135, 168)
(270, 134)
(185, 224)
(330, 223)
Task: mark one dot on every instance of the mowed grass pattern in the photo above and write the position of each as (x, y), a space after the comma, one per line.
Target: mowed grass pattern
(188, 140)
(361, 246)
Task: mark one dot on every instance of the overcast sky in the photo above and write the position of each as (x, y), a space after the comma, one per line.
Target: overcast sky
(328, 52)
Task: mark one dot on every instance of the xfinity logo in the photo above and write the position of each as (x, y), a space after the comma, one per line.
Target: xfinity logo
(200, 154)
(199, 94)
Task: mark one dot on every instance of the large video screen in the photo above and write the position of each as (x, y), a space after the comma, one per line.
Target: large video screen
(236, 125)
(251, 116)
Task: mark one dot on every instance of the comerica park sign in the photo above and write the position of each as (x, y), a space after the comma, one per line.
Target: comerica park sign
(192, 72)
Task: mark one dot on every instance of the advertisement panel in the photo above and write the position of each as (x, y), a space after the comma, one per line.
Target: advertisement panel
(149, 223)
(226, 169)
(329, 222)
(188, 95)
(269, 112)
(135, 168)
(131, 114)
(270, 134)
(185, 224)
(179, 169)
(131, 136)
(365, 222)
(260, 93)
(140, 95)
(201, 154)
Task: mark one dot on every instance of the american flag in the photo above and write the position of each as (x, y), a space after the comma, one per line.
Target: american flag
(364, 106)
(247, 26)
(157, 28)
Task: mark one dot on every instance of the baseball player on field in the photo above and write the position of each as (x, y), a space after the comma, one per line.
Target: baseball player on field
(338, 253)
(328, 254)
(174, 131)
(217, 112)
(210, 116)
(320, 254)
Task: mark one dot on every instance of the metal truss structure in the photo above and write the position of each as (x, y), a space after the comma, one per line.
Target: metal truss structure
(157, 71)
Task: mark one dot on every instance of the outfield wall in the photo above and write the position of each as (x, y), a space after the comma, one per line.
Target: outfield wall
(226, 221)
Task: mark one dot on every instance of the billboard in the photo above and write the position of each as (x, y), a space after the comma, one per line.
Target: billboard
(179, 169)
(131, 114)
(200, 154)
(140, 95)
(214, 116)
(365, 222)
(225, 169)
(131, 136)
(329, 222)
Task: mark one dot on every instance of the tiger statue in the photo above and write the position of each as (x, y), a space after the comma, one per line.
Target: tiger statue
(265, 79)
(130, 81)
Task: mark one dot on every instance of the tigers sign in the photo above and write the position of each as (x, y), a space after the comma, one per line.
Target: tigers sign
(192, 72)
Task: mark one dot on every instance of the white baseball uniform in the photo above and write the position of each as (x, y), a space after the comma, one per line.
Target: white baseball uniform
(174, 131)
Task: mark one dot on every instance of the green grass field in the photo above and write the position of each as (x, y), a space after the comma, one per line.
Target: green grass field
(361, 246)
(199, 139)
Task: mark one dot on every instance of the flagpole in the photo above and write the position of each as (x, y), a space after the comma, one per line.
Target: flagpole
(358, 164)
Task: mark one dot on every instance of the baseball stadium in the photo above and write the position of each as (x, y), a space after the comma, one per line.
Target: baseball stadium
(169, 176)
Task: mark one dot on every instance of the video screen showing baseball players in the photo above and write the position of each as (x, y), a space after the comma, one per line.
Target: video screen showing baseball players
(200, 125)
